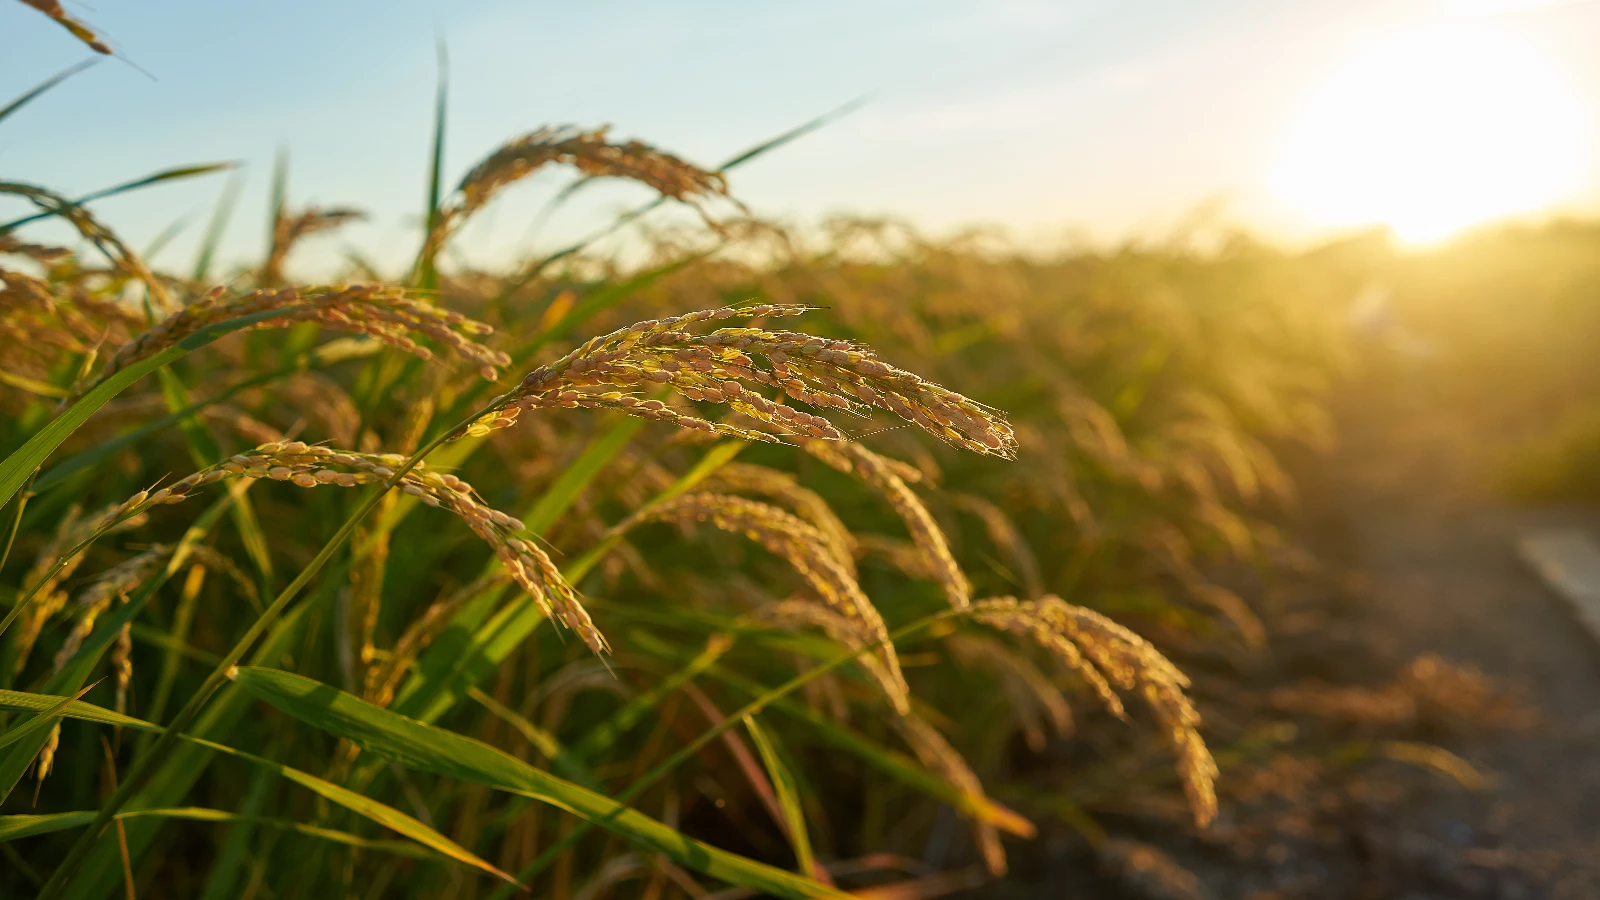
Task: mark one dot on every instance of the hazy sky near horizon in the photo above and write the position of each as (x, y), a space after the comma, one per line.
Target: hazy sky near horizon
(1104, 119)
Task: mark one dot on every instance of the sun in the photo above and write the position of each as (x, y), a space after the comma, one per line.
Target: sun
(1433, 130)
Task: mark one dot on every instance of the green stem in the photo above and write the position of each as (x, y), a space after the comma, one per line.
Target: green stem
(733, 720)
(16, 522)
(144, 765)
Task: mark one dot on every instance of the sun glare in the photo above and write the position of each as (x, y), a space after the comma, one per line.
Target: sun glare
(1433, 130)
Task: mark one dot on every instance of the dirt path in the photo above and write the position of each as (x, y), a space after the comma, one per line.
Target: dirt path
(1407, 502)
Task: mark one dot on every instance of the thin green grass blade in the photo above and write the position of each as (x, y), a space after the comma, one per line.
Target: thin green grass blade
(714, 459)
(892, 763)
(467, 651)
(161, 177)
(16, 467)
(604, 735)
(77, 668)
(33, 93)
(204, 450)
(216, 226)
(788, 792)
(43, 720)
(22, 701)
(222, 881)
(366, 807)
(101, 874)
(165, 237)
(545, 742)
(277, 198)
(425, 274)
(426, 748)
(13, 827)
(561, 494)
(793, 134)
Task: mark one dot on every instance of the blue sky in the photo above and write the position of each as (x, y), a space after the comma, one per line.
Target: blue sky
(1105, 119)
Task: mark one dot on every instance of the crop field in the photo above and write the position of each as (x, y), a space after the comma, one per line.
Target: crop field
(762, 564)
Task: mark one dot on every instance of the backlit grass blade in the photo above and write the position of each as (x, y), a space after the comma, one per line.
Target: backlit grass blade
(203, 449)
(605, 734)
(532, 270)
(788, 795)
(165, 237)
(468, 651)
(452, 650)
(368, 808)
(77, 668)
(892, 763)
(545, 742)
(714, 459)
(161, 177)
(14, 827)
(188, 760)
(426, 748)
(33, 93)
(559, 497)
(216, 226)
(223, 880)
(16, 467)
(277, 197)
(22, 701)
(425, 274)
(43, 720)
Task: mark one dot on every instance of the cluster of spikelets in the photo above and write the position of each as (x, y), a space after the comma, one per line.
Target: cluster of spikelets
(126, 265)
(56, 563)
(590, 152)
(310, 465)
(385, 314)
(1107, 657)
(722, 367)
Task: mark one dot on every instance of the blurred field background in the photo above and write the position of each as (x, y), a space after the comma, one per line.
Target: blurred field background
(1201, 586)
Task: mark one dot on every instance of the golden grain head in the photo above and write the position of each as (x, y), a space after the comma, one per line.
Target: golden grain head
(725, 366)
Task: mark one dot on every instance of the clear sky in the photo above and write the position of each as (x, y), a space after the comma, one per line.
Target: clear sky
(1109, 119)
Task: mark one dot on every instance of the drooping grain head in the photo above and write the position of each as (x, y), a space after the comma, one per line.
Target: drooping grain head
(82, 32)
(288, 230)
(1104, 654)
(312, 466)
(385, 314)
(590, 152)
(878, 472)
(106, 241)
(805, 548)
(725, 366)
